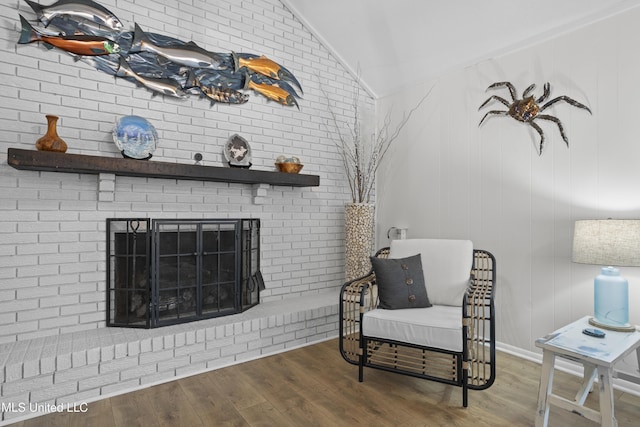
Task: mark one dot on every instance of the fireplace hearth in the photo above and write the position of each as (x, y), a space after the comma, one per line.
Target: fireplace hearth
(167, 271)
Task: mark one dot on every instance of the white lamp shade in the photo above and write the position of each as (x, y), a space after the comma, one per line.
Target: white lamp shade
(607, 242)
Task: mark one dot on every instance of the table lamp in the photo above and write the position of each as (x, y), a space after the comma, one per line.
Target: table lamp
(610, 242)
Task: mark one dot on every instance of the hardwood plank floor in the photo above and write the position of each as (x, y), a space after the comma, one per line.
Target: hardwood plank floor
(313, 386)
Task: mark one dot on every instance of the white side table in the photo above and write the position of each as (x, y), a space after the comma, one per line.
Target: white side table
(597, 355)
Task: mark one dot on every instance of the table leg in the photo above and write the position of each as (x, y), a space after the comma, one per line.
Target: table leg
(606, 397)
(589, 376)
(546, 386)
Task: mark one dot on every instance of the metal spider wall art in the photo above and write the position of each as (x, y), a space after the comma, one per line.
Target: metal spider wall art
(528, 109)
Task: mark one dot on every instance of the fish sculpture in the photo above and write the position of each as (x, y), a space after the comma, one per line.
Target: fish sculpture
(263, 65)
(264, 80)
(214, 93)
(84, 45)
(273, 92)
(165, 86)
(162, 64)
(189, 54)
(79, 9)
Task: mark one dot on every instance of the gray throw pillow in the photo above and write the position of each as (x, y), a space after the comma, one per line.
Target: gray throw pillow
(400, 283)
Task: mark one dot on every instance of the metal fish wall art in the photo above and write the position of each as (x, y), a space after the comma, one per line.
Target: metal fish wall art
(216, 94)
(190, 54)
(264, 66)
(84, 45)
(162, 64)
(165, 86)
(272, 91)
(76, 9)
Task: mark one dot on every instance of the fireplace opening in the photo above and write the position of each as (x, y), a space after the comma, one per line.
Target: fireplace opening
(162, 271)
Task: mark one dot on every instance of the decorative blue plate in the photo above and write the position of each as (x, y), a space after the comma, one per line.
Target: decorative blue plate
(135, 137)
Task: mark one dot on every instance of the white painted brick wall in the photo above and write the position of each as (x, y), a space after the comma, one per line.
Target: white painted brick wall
(52, 225)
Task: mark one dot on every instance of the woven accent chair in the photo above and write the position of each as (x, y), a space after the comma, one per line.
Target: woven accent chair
(451, 342)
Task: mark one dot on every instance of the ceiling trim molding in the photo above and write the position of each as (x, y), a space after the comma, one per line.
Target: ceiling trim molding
(296, 13)
(557, 32)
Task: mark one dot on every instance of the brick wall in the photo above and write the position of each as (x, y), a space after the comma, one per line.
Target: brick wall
(52, 225)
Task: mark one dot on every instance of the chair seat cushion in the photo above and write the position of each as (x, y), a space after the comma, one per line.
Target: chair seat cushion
(438, 326)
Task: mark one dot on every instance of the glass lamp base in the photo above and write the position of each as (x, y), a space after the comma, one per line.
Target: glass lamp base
(611, 300)
(621, 328)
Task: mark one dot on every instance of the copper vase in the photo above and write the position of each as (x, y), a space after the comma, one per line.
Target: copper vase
(51, 141)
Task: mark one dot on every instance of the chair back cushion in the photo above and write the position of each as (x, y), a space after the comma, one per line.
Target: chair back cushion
(446, 265)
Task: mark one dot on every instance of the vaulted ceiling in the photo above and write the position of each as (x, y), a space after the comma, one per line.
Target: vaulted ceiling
(395, 42)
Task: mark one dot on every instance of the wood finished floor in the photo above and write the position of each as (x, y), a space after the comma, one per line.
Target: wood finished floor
(314, 386)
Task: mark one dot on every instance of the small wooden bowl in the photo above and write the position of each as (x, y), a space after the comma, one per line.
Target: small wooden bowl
(289, 167)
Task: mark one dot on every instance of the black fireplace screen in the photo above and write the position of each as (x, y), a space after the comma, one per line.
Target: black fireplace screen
(161, 272)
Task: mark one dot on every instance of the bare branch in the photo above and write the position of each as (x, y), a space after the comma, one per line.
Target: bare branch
(361, 158)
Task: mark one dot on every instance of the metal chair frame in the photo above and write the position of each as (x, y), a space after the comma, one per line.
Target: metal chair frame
(473, 368)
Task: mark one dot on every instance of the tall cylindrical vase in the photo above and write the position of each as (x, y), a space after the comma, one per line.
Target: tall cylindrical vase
(359, 223)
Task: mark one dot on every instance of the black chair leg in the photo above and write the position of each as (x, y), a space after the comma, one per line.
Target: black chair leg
(363, 345)
(465, 386)
(465, 399)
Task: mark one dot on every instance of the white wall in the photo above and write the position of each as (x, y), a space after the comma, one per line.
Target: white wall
(449, 178)
(52, 225)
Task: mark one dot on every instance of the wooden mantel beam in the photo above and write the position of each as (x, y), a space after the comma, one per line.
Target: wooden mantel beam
(80, 163)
